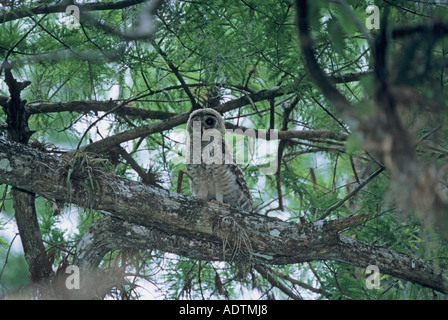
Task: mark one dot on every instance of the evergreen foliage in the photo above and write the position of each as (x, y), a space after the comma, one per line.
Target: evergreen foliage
(226, 50)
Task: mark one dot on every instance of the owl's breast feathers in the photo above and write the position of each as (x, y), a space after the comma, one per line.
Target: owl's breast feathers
(224, 183)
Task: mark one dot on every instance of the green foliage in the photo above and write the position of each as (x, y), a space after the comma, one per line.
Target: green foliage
(232, 47)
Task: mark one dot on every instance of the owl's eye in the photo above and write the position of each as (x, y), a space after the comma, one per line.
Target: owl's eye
(210, 121)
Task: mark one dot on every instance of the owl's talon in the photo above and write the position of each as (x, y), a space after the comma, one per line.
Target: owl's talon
(199, 198)
(220, 203)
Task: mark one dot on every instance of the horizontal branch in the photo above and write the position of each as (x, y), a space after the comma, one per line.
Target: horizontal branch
(349, 76)
(23, 12)
(147, 217)
(434, 28)
(84, 106)
(290, 134)
(108, 142)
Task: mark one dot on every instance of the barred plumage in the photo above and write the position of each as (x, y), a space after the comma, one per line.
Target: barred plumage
(214, 173)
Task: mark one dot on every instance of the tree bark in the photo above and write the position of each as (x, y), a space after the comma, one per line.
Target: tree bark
(24, 202)
(142, 216)
(34, 250)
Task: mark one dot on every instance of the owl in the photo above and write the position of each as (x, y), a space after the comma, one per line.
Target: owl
(214, 173)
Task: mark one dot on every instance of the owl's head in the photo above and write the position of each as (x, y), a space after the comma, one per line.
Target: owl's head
(209, 119)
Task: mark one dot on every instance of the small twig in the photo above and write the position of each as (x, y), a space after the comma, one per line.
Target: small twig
(299, 283)
(352, 193)
(114, 109)
(270, 276)
(176, 72)
(17, 43)
(7, 254)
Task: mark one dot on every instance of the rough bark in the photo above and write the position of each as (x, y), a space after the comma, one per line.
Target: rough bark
(142, 216)
(33, 248)
(23, 201)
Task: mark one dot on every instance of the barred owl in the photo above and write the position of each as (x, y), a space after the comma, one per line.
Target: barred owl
(214, 173)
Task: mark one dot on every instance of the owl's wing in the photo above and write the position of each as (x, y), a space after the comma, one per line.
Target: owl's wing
(245, 202)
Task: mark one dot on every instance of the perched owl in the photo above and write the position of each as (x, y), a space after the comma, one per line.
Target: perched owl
(214, 173)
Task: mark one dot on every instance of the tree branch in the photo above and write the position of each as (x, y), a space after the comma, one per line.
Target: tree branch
(106, 143)
(349, 76)
(196, 229)
(290, 134)
(23, 12)
(24, 202)
(275, 281)
(351, 194)
(143, 31)
(84, 106)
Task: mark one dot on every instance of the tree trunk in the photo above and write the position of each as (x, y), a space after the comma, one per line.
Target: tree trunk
(26, 219)
(23, 201)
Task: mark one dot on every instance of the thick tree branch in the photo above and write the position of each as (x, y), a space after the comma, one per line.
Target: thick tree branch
(155, 218)
(24, 202)
(25, 214)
